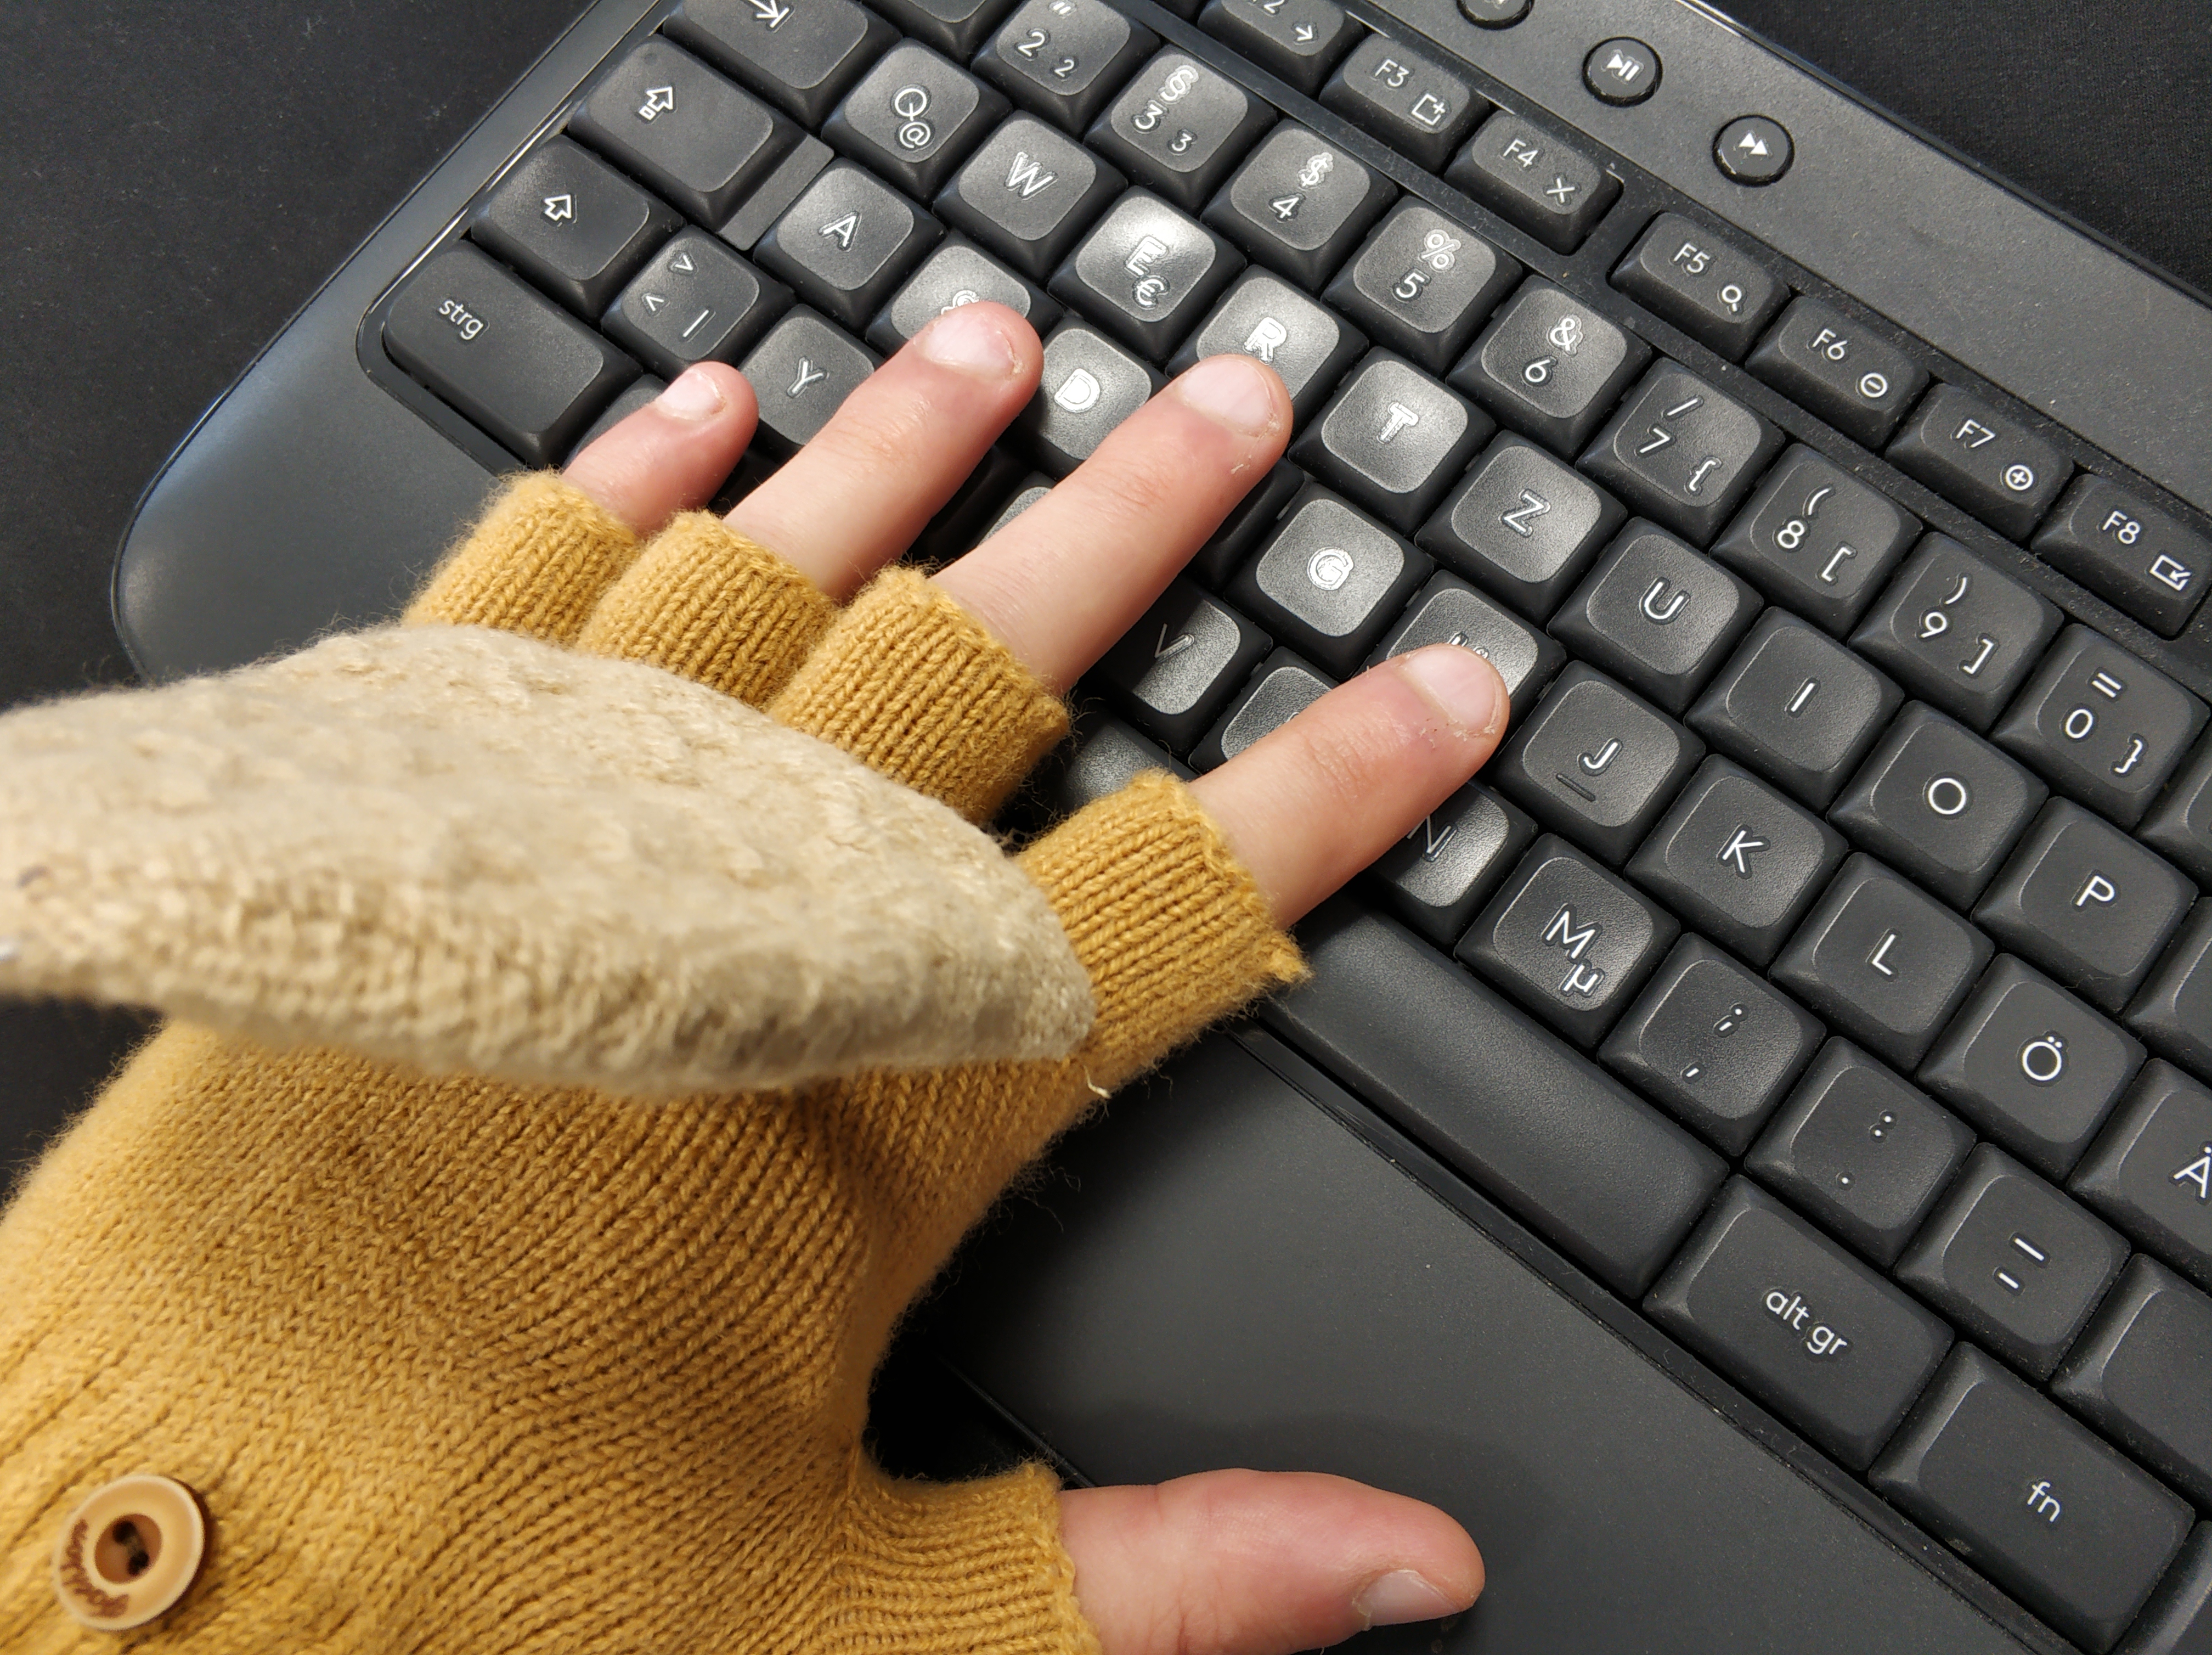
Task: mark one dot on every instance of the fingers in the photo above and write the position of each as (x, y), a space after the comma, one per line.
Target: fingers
(1309, 804)
(1069, 576)
(1257, 1563)
(671, 454)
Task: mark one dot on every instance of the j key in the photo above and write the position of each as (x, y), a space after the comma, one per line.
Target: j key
(1298, 39)
(957, 274)
(642, 392)
(802, 373)
(1394, 439)
(1817, 540)
(1656, 615)
(1299, 205)
(1423, 284)
(847, 243)
(2103, 725)
(1683, 452)
(1799, 1323)
(697, 300)
(1545, 185)
(2123, 549)
(1437, 875)
(1249, 520)
(2181, 824)
(1939, 802)
(1881, 961)
(1028, 194)
(1263, 316)
(1568, 939)
(1088, 386)
(1702, 283)
(2173, 1012)
(1955, 631)
(1737, 860)
(772, 197)
(1146, 274)
(1063, 58)
(1522, 525)
(1972, 455)
(2150, 1171)
(1447, 610)
(1795, 706)
(800, 54)
(1179, 127)
(1181, 661)
(573, 224)
(1550, 368)
(527, 373)
(2046, 1511)
(2178, 1619)
(669, 119)
(913, 117)
(1107, 756)
(1852, 378)
(1410, 101)
(1282, 688)
(1329, 581)
(955, 27)
(1595, 763)
(2086, 904)
(2138, 1375)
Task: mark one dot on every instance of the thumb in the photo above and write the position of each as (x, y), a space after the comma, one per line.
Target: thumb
(1259, 1563)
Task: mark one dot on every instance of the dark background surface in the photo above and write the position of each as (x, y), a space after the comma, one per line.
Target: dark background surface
(179, 179)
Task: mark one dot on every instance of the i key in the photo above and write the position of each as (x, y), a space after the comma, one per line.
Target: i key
(1682, 452)
(1179, 127)
(1412, 103)
(2105, 725)
(1063, 58)
(1423, 284)
(1797, 706)
(1816, 539)
(1953, 629)
(800, 54)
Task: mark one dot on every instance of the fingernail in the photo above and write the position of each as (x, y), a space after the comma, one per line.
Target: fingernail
(696, 395)
(1461, 682)
(972, 340)
(1400, 1595)
(1231, 391)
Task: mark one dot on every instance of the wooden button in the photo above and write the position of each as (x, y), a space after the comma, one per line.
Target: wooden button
(129, 1553)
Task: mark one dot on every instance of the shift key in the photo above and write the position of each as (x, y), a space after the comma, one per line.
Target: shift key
(1799, 1324)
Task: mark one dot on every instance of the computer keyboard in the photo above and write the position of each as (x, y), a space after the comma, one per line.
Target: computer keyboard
(1834, 899)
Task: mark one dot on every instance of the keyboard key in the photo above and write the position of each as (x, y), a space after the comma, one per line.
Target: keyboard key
(527, 373)
(667, 119)
(1568, 939)
(1249, 520)
(1737, 860)
(1088, 386)
(957, 273)
(1975, 457)
(2180, 825)
(1702, 283)
(1857, 381)
(1441, 872)
(1550, 368)
(1329, 581)
(955, 27)
(1817, 540)
(1283, 687)
(1263, 316)
(1063, 58)
(2138, 1375)
(2107, 727)
(1146, 274)
(800, 54)
(2045, 1510)
(1881, 961)
(1939, 803)
(913, 117)
(977, 506)
(1955, 631)
(847, 243)
(1447, 610)
(1299, 205)
(2150, 1170)
(2178, 1619)
(1298, 39)
(1535, 179)
(641, 391)
(572, 224)
(772, 197)
(1179, 127)
(1408, 100)
(802, 373)
(695, 301)
(2173, 1012)
(1522, 525)
(2123, 549)
(1779, 1308)
(1394, 439)
(1656, 615)
(1423, 284)
(1683, 452)
(1595, 763)
(1173, 670)
(1107, 755)
(1028, 194)
(1798, 708)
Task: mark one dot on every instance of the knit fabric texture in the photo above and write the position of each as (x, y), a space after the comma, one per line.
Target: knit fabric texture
(537, 563)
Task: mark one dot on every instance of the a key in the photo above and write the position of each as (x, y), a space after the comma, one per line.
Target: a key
(1299, 204)
(1712, 1042)
(531, 375)
(1848, 375)
(1799, 1323)
(802, 373)
(2031, 1067)
(1328, 580)
(1423, 283)
(1536, 180)
(955, 27)
(1683, 452)
(2138, 1375)
(1817, 540)
(1702, 283)
(2172, 1011)
(695, 301)
(1146, 274)
(913, 117)
(2059, 1520)
(668, 119)
(1108, 755)
(2012, 1263)
(1028, 194)
(2178, 1619)
(1977, 458)
(1183, 659)
(1441, 872)
(1394, 439)
(799, 54)
(1404, 97)
(1281, 688)
(1955, 631)
(1549, 366)
(2103, 725)
(847, 243)
(1939, 802)
(1657, 615)
(1797, 707)
(1179, 127)
(640, 392)
(1264, 316)
(1449, 611)
(1522, 525)
(1737, 860)
(1860, 1152)
(1298, 39)
(2150, 1170)
(2124, 550)
(1063, 58)
(2180, 823)
(1568, 939)
(772, 197)
(957, 273)
(1881, 961)
(1088, 386)
(572, 224)
(1595, 763)
(1249, 520)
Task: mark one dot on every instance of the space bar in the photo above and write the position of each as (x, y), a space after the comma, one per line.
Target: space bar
(1529, 1120)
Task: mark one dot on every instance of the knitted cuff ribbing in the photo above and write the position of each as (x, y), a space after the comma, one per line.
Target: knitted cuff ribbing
(536, 562)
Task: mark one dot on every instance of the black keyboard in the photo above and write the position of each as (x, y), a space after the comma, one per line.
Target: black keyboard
(1835, 897)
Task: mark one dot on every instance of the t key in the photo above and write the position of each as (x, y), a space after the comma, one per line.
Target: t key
(1394, 439)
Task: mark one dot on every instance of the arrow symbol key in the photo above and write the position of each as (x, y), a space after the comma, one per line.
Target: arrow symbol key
(771, 12)
(1303, 34)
